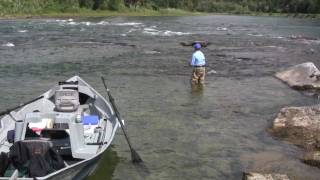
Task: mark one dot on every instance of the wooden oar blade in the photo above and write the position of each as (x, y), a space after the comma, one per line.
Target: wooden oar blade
(135, 157)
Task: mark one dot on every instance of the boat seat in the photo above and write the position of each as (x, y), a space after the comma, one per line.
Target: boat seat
(67, 100)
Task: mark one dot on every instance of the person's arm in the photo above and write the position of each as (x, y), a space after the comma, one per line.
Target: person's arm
(193, 59)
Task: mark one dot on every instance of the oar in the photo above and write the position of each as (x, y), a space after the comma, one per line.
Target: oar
(21, 105)
(134, 155)
(192, 43)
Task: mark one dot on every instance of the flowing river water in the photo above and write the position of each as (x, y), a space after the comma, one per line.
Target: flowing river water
(217, 133)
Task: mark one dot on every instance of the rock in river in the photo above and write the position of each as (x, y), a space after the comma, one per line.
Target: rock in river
(303, 76)
(312, 158)
(300, 125)
(258, 176)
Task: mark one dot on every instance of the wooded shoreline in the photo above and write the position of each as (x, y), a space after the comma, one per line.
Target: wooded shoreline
(102, 8)
(97, 14)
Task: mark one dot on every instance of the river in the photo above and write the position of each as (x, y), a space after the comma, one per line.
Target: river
(217, 133)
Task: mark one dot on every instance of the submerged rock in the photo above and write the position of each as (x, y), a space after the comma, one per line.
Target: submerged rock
(300, 125)
(258, 176)
(302, 76)
(312, 158)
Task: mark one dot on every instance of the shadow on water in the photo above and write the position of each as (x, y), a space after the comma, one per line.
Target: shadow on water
(106, 166)
(142, 170)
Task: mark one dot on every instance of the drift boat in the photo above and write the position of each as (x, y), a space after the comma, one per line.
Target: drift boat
(59, 135)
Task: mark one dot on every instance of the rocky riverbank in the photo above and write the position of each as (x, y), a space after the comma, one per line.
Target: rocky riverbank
(301, 125)
(258, 176)
(301, 77)
(297, 125)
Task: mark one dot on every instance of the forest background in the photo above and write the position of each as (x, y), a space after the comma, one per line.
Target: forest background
(38, 7)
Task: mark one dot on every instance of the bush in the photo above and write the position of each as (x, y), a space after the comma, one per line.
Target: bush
(219, 6)
(37, 6)
(115, 5)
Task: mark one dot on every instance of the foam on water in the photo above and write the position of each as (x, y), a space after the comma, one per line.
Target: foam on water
(72, 23)
(127, 24)
(278, 37)
(222, 29)
(103, 23)
(256, 35)
(63, 22)
(8, 44)
(137, 27)
(151, 52)
(171, 33)
(151, 30)
(87, 23)
(156, 32)
(132, 30)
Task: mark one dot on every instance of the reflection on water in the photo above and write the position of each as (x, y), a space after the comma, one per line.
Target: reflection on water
(197, 89)
(106, 166)
(215, 132)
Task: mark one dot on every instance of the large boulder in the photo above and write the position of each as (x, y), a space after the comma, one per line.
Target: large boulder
(258, 176)
(300, 125)
(303, 76)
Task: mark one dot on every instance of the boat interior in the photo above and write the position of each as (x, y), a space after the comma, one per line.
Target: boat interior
(71, 119)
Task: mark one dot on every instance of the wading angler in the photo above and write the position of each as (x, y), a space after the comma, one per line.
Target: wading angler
(198, 63)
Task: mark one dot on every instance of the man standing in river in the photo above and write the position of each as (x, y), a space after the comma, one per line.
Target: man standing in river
(198, 63)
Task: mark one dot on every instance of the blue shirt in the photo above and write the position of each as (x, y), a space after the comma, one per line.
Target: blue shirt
(198, 59)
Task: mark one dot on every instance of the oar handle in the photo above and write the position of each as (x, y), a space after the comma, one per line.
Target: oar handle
(115, 109)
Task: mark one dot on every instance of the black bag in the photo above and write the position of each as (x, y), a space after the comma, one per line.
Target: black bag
(39, 167)
(19, 155)
(54, 159)
(37, 157)
(4, 163)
